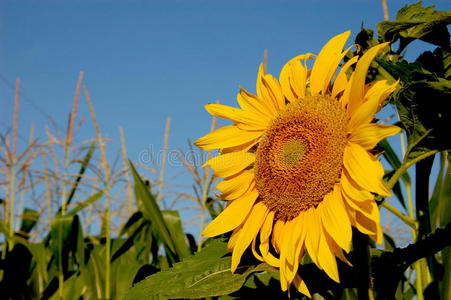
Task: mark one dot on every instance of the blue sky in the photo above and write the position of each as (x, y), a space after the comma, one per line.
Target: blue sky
(145, 61)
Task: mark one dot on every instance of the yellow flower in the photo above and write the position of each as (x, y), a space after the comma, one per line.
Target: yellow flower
(296, 163)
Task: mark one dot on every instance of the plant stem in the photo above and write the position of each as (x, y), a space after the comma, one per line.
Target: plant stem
(205, 190)
(163, 161)
(107, 199)
(408, 220)
(12, 187)
(423, 171)
(127, 175)
(406, 165)
(417, 264)
(362, 265)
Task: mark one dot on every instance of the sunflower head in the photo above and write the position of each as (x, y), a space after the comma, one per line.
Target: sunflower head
(296, 162)
(300, 155)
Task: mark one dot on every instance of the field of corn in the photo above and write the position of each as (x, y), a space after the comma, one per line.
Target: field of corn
(75, 225)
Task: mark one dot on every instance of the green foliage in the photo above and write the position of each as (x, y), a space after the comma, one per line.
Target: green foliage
(151, 211)
(206, 274)
(416, 22)
(152, 256)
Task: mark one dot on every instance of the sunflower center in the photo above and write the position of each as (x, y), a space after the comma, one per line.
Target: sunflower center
(300, 156)
(293, 151)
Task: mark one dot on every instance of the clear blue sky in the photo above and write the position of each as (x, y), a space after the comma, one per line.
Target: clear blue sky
(147, 60)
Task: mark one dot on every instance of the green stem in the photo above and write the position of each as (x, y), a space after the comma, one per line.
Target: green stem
(406, 219)
(406, 165)
(362, 265)
(12, 199)
(63, 212)
(417, 264)
(203, 207)
(108, 246)
(423, 171)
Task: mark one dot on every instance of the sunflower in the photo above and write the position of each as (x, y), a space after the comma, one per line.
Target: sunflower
(297, 164)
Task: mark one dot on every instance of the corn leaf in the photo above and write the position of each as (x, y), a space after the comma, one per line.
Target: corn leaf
(151, 210)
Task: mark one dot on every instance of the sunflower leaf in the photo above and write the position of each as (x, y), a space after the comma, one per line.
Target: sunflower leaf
(205, 274)
(416, 22)
(424, 110)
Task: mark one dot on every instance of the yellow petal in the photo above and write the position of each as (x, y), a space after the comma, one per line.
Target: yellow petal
(299, 284)
(268, 89)
(232, 216)
(229, 164)
(245, 120)
(296, 249)
(372, 223)
(293, 78)
(368, 135)
(364, 212)
(352, 189)
(312, 225)
(335, 219)
(327, 63)
(336, 250)
(251, 103)
(364, 169)
(342, 80)
(352, 216)
(227, 136)
(265, 232)
(287, 265)
(242, 147)
(358, 83)
(235, 186)
(366, 111)
(277, 234)
(234, 237)
(298, 233)
(326, 258)
(345, 98)
(250, 230)
(254, 251)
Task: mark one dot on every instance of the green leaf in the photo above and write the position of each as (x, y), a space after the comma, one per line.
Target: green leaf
(365, 39)
(434, 204)
(389, 243)
(151, 210)
(73, 289)
(444, 213)
(129, 242)
(444, 199)
(390, 155)
(425, 112)
(39, 253)
(129, 225)
(405, 71)
(85, 203)
(437, 62)
(417, 22)
(123, 280)
(174, 224)
(205, 274)
(84, 165)
(29, 220)
(4, 229)
(445, 284)
(94, 274)
(66, 240)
